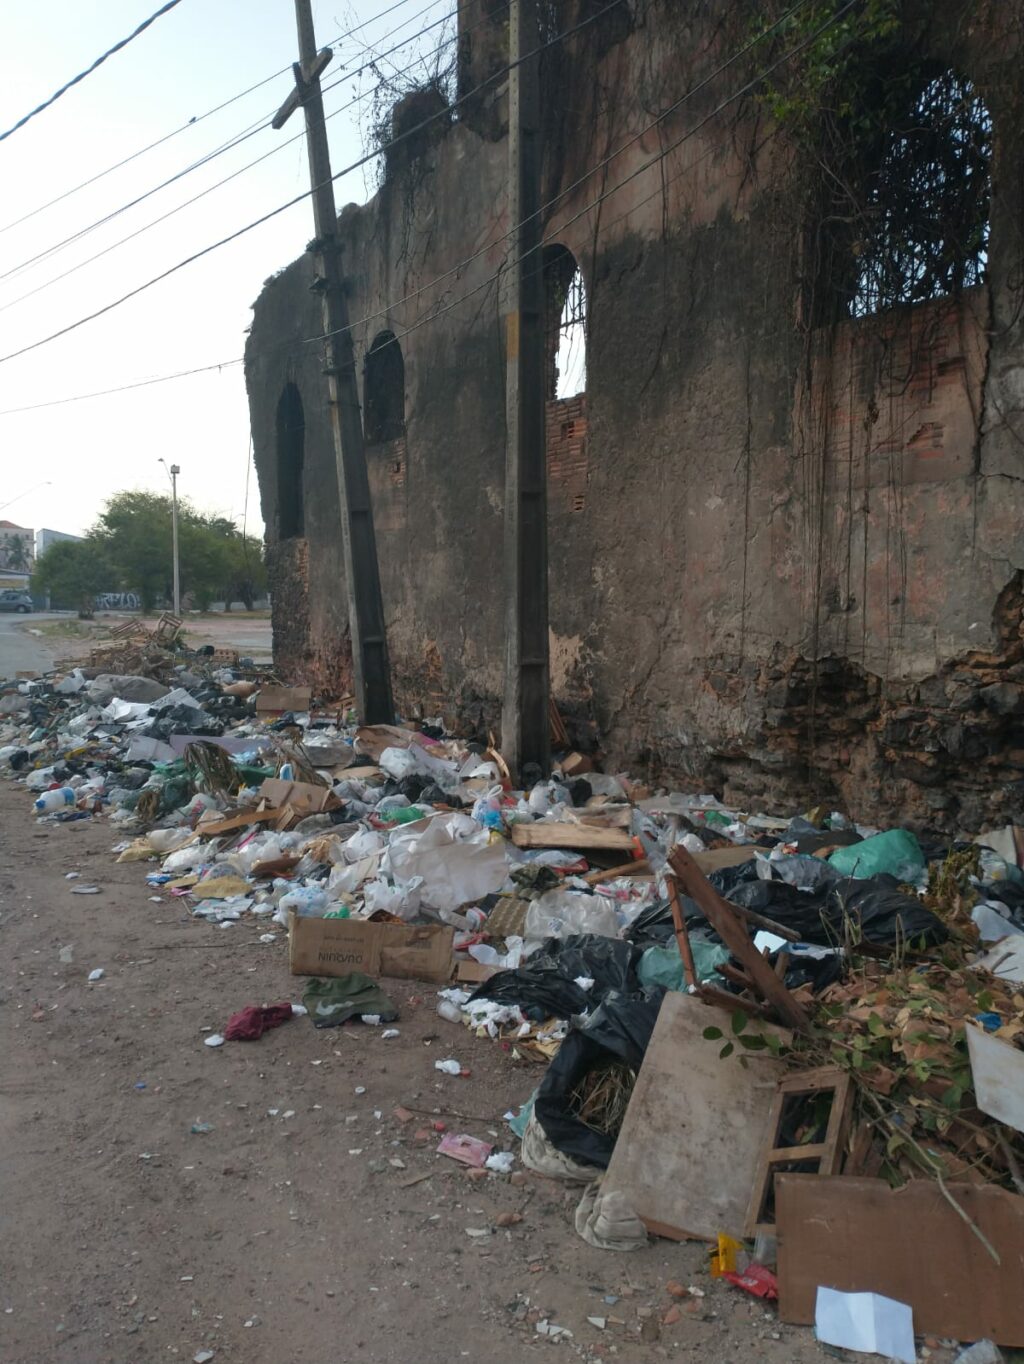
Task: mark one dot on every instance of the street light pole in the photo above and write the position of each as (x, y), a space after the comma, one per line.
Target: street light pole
(175, 471)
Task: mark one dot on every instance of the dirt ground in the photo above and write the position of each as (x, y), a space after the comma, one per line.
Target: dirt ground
(310, 1223)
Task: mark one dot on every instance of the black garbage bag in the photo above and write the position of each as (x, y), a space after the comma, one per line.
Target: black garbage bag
(545, 985)
(886, 914)
(619, 1029)
(181, 720)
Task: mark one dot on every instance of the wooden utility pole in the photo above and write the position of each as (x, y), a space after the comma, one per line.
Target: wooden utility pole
(370, 667)
(525, 724)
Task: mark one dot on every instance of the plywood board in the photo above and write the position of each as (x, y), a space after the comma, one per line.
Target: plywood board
(861, 1236)
(551, 834)
(687, 1153)
(998, 1070)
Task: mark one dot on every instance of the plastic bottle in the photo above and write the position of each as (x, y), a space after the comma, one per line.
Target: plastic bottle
(59, 799)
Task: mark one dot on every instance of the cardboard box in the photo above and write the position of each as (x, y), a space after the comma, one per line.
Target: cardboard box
(282, 699)
(334, 947)
(303, 797)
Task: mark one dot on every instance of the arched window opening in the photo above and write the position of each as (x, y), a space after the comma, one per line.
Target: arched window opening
(566, 324)
(291, 442)
(921, 230)
(383, 391)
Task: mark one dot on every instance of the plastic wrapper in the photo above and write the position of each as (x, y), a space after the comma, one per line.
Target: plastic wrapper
(563, 913)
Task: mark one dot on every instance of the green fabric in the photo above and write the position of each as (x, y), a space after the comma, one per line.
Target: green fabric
(663, 965)
(339, 998)
(896, 851)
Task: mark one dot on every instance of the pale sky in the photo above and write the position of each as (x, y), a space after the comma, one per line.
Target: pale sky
(191, 59)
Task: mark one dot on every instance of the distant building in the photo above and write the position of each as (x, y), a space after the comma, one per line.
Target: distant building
(17, 548)
(46, 538)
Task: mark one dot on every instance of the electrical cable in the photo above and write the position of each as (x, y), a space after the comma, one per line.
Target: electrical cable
(605, 161)
(491, 279)
(605, 194)
(218, 184)
(306, 194)
(234, 141)
(90, 69)
(198, 118)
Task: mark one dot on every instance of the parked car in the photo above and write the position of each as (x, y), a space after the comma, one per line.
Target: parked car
(12, 600)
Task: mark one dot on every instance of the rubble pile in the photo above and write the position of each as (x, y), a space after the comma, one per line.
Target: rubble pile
(840, 1007)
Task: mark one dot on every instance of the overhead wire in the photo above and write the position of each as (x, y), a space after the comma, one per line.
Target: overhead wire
(587, 208)
(90, 69)
(218, 184)
(599, 165)
(235, 140)
(444, 112)
(192, 122)
(639, 170)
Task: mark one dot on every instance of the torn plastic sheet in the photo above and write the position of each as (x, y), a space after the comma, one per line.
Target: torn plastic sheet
(454, 869)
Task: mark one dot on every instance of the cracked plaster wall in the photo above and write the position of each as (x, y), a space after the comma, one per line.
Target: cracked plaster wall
(782, 544)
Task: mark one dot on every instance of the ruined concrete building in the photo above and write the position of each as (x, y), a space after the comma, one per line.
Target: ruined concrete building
(786, 477)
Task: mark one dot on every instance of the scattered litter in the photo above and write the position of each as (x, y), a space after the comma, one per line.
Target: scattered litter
(867, 1322)
(97, 974)
(214, 1040)
(465, 1149)
(449, 1067)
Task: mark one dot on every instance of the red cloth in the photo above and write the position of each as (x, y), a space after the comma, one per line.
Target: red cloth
(254, 1020)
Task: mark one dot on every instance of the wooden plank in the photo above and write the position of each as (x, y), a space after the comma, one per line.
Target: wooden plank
(723, 857)
(861, 1236)
(549, 834)
(722, 918)
(224, 826)
(686, 1154)
(640, 870)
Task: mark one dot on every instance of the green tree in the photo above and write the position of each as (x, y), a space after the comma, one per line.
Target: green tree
(135, 530)
(73, 572)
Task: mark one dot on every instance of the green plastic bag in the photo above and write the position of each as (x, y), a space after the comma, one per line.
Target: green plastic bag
(663, 965)
(896, 851)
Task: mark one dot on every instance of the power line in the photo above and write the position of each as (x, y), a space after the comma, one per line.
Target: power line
(235, 141)
(122, 388)
(639, 170)
(192, 122)
(90, 69)
(605, 161)
(278, 147)
(605, 194)
(299, 198)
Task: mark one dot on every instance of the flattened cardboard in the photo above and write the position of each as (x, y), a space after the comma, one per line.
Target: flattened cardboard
(304, 797)
(687, 1153)
(283, 698)
(861, 1236)
(334, 947)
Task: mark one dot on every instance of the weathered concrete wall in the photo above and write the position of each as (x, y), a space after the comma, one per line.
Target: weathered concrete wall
(783, 565)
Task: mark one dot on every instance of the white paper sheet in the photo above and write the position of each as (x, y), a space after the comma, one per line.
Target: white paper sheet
(865, 1321)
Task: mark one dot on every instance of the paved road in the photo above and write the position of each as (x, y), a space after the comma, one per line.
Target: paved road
(22, 651)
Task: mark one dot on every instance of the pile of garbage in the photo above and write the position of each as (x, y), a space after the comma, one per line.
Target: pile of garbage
(747, 1022)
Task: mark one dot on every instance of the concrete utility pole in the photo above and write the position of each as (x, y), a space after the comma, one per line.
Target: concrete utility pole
(525, 724)
(370, 667)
